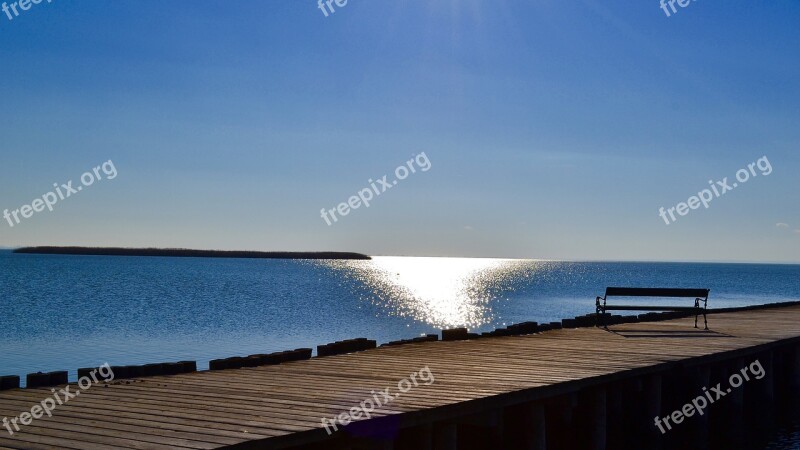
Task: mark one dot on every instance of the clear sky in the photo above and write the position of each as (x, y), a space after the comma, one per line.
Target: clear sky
(554, 129)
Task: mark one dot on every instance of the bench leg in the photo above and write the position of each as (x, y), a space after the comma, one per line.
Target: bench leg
(598, 321)
(705, 320)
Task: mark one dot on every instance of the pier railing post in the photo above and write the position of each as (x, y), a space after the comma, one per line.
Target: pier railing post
(591, 418)
(445, 436)
(651, 396)
(560, 423)
(735, 412)
(699, 424)
(534, 427)
(759, 394)
(416, 438)
(482, 430)
(718, 414)
(599, 419)
(794, 377)
(623, 414)
(525, 426)
(768, 386)
(496, 432)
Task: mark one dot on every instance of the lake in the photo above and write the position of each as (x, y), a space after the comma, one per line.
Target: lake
(63, 312)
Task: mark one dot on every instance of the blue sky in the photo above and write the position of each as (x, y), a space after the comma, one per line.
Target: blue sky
(554, 129)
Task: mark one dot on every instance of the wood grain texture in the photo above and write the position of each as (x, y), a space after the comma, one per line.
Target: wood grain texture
(273, 405)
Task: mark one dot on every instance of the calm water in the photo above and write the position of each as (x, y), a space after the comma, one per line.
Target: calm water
(62, 312)
(65, 312)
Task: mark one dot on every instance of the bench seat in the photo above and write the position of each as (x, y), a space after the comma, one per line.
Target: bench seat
(650, 308)
(700, 295)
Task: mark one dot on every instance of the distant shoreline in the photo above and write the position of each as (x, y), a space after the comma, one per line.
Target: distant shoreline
(186, 253)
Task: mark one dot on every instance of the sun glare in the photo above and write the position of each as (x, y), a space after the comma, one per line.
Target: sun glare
(442, 292)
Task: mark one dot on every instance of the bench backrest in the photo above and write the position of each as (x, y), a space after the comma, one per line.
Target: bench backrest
(656, 292)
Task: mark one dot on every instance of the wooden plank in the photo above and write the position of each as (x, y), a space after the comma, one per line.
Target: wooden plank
(207, 410)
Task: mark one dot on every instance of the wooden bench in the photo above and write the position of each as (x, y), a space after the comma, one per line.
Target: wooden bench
(698, 294)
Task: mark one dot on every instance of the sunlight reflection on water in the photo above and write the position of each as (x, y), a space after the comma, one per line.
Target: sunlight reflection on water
(442, 292)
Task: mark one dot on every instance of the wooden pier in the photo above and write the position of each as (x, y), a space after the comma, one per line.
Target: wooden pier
(562, 389)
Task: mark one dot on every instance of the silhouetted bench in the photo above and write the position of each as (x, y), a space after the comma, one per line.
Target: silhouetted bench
(698, 294)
